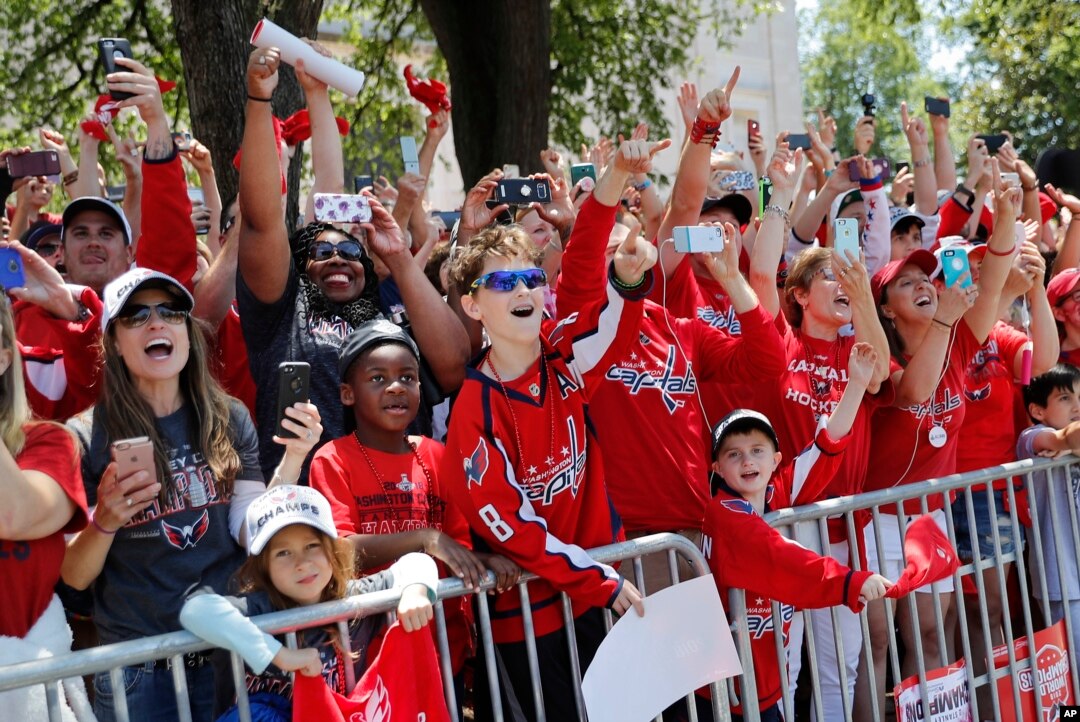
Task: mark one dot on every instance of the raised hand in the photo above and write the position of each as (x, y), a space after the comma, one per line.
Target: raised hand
(783, 168)
(901, 186)
(954, 301)
(51, 140)
(552, 162)
(1006, 200)
(560, 212)
(914, 128)
(635, 156)
(139, 81)
(939, 123)
(688, 103)
(826, 128)
(864, 134)
(724, 266)
(384, 235)
(384, 191)
(978, 157)
(303, 420)
(1071, 202)
(310, 83)
(862, 361)
(632, 259)
(716, 106)
(475, 215)
(438, 125)
(262, 72)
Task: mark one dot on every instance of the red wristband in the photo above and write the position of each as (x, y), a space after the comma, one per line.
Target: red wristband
(100, 528)
(703, 132)
(992, 252)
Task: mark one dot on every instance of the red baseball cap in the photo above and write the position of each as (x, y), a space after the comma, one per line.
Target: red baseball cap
(1047, 208)
(923, 259)
(1062, 285)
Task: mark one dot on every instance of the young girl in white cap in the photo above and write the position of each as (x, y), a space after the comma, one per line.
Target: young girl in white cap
(296, 559)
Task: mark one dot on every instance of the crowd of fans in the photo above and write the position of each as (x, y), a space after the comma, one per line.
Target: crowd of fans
(618, 387)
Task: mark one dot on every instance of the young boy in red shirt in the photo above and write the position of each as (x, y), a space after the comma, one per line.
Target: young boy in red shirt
(519, 453)
(739, 544)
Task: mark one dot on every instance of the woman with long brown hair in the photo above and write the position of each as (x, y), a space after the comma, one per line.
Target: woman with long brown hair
(170, 520)
(41, 500)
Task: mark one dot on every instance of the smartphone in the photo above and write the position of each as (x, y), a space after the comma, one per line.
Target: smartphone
(936, 106)
(38, 163)
(360, 182)
(1010, 180)
(338, 208)
(993, 142)
(109, 49)
(581, 170)
(881, 169)
(522, 191)
(133, 455)
(408, 154)
(115, 193)
(511, 170)
(449, 218)
(736, 180)
(12, 274)
(294, 381)
(698, 239)
(846, 237)
(954, 263)
(764, 195)
(198, 198)
(753, 127)
(798, 140)
(902, 166)
(182, 141)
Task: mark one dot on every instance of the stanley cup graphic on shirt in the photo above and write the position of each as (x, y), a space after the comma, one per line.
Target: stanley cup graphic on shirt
(197, 493)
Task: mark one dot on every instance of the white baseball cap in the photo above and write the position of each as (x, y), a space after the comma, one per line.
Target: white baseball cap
(284, 505)
(119, 290)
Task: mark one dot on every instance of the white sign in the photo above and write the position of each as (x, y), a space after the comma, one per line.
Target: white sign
(646, 663)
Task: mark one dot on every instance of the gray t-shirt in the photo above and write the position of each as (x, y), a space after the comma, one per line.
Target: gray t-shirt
(1059, 488)
(286, 330)
(162, 554)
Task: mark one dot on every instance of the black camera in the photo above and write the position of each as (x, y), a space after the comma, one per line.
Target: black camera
(868, 101)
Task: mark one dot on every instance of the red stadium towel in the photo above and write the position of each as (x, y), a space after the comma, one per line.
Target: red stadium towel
(402, 683)
(930, 557)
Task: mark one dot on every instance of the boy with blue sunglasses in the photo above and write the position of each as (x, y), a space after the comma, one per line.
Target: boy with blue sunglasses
(518, 461)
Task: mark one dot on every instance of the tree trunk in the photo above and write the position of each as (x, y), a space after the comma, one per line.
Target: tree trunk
(214, 46)
(499, 57)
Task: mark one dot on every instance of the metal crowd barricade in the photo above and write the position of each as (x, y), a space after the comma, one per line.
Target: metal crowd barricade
(1041, 479)
(113, 658)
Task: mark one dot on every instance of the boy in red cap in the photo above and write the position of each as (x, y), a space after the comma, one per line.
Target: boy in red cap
(751, 482)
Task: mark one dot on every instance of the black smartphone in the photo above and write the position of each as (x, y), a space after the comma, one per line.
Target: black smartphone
(110, 49)
(881, 169)
(936, 106)
(522, 191)
(38, 163)
(993, 142)
(294, 382)
(360, 182)
(798, 140)
(902, 166)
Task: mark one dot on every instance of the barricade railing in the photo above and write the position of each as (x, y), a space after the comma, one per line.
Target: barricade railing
(1054, 532)
(114, 657)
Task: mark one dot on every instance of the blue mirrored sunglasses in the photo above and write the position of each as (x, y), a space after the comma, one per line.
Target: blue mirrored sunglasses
(508, 280)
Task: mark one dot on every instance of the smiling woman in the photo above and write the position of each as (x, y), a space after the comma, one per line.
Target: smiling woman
(179, 508)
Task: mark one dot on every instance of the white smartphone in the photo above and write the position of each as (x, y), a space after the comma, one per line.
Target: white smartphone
(846, 237)
(698, 239)
(408, 154)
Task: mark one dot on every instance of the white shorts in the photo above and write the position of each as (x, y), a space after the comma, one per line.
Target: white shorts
(892, 562)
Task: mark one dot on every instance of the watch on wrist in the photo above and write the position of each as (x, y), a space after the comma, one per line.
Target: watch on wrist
(964, 195)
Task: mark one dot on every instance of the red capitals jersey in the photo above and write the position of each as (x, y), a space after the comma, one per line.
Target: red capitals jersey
(810, 387)
(518, 465)
(656, 385)
(900, 441)
(739, 544)
(989, 431)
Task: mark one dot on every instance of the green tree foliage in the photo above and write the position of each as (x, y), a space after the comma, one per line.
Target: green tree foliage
(847, 53)
(1024, 69)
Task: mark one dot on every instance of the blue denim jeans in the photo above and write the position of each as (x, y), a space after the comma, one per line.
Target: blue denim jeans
(150, 694)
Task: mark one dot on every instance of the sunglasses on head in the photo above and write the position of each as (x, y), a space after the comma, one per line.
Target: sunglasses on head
(508, 280)
(134, 315)
(348, 250)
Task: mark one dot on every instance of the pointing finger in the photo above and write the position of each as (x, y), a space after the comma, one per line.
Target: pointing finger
(732, 81)
(904, 114)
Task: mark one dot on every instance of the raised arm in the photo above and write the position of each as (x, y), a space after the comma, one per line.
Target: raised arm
(999, 252)
(916, 383)
(264, 259)
(327, 161)
(439, 334)
(1069, 253)
(692, 178)
(199, 156)
(769, 246)
(127, 154)
(925, 179)
(807, 224)
(855, 282)
(944, 162)
(69, 171)
(87, 183)
(217, 289)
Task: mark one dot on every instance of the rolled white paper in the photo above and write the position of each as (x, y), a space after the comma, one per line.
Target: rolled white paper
(332, 72)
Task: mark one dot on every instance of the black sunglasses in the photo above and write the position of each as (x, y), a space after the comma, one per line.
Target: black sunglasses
(134, 315)
(348, 250)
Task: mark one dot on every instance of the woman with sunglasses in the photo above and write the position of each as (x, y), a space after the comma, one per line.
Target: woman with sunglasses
(42, 498)
(300, 297)
(169, 520)
(934, 332)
